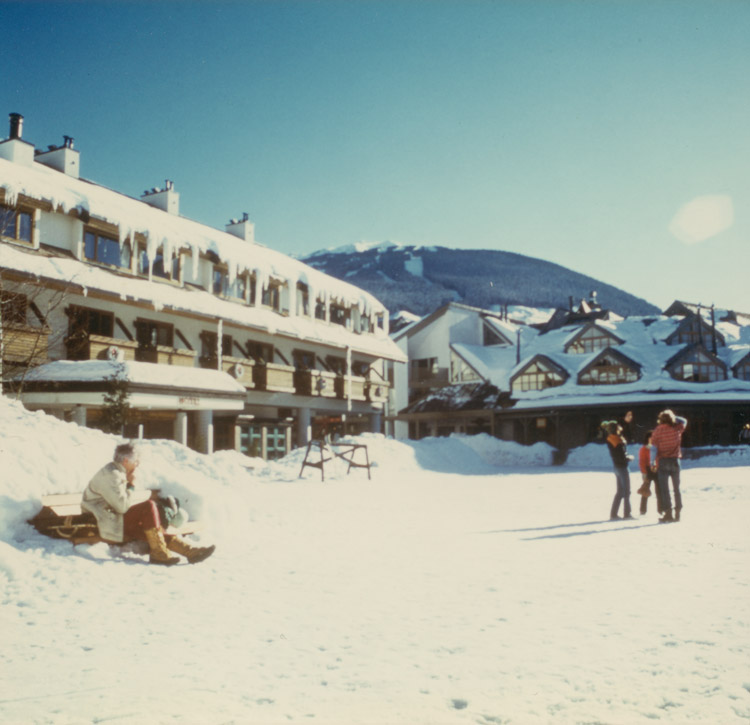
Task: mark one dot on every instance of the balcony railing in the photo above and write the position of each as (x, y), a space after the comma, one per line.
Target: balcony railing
(99, 347)
(240, 368)
(274, 377)
(25, 344)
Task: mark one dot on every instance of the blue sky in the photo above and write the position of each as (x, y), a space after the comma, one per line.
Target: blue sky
(610, 137)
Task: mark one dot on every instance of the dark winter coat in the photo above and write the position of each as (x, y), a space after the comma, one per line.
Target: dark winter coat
(617, 450)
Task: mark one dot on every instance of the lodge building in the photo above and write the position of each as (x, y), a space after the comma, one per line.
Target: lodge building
(219, 341)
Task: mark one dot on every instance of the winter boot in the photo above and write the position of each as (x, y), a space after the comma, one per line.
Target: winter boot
(158, 547)
(193, 554)
(667, 518)
(677, 513)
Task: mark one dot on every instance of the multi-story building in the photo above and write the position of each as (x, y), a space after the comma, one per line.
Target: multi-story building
(556, 382)
(219, 341)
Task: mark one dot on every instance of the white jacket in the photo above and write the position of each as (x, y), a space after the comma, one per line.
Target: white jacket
(108, 497)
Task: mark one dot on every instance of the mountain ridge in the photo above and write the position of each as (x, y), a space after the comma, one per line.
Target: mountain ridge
(421, 278)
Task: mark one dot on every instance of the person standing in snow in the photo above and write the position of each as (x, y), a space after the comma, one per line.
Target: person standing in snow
(648, 474)
(125, 513)
(620, 459)
(667, 439)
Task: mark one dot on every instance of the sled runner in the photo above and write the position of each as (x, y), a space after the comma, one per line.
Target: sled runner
(61, 517)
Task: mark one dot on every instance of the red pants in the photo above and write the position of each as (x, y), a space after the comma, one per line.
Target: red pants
(140, 518)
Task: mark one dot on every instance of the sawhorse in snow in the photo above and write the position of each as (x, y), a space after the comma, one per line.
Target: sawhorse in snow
(346, 451)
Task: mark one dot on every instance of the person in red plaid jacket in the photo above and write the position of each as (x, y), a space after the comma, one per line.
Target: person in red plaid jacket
(667, 439)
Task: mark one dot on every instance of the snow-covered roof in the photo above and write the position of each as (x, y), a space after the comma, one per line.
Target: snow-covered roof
(643, 344)
(173, 233)
(138, 373)
(190, 299)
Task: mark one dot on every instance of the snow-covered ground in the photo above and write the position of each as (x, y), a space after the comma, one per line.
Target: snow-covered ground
(467, 582)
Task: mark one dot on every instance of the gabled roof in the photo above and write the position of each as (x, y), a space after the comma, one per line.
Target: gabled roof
(688, 322)
(696, 349)
(540, 358)
(502, 329)
(610, 352)
(592, 326)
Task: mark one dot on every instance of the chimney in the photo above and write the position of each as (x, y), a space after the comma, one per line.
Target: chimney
(63, 158)
(242, 228)
(166, 199)
(14, 148)
(16, 126)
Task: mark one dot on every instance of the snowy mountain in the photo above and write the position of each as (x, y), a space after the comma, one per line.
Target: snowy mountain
(420, 279)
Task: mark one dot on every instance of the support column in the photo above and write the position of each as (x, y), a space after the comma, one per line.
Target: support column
(79, 416)
(304, 426)
(264, 442)
(181, 427)
(205, 437)
(376, 422)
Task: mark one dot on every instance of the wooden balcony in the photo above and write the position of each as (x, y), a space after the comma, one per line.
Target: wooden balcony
(377, 391)
(109, 348)
(274, 377)
(240, 368)
(25, 344)
(355, 388)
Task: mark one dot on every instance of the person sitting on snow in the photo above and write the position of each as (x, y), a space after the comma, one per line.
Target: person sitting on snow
(125, 513)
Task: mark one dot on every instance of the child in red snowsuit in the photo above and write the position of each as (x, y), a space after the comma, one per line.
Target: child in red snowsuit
(648, 473)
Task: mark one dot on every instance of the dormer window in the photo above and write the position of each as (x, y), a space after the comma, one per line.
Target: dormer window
(237, 290)
(15, 224)
(591, 339)
(303, 299)
(695, 330)
(742, 369)
(106, 250)
(271, 296)
(320, 309)
(491, 336)
(539, 374)
(609, 368)
(159, 267)
(697, 365)
(339, 315)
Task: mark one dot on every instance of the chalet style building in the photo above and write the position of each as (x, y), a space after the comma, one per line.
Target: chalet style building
(555, 382)
(218, 341)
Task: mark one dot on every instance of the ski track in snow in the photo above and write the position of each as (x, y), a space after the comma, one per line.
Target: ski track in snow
(497, 595)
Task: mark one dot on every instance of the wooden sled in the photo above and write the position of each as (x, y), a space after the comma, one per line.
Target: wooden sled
(61, 517)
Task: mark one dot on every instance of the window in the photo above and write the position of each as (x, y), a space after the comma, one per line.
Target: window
(537, 376)
(339, 315)
(209, 350)
(460, 371)
(271, 296)
(608, 370)
(220, 286)
(13, 306)
(149, 335)
(158, 267)
(15, 224)
(365, 323)
(304, 360)
(320, 310)
(591, 340)
(694, 330)
(83, 322)
(261, 352)
(696, 366)
(491, 337)
(424, 368)
(742, 371)
(336, 364)
(303, 299)
(105, 250)
(360, 368)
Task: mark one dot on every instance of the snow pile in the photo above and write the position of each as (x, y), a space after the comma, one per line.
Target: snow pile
(446, 590)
